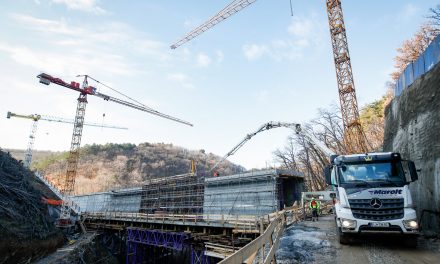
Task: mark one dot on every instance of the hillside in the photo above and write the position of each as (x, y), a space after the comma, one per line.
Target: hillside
(102, 167)
(27, 232)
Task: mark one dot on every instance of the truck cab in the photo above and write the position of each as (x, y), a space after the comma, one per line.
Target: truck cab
(372, 195)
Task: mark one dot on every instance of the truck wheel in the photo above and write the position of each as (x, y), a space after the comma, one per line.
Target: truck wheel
(343, 239)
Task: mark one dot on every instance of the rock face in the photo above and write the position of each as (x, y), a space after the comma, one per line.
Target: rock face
(412, 127)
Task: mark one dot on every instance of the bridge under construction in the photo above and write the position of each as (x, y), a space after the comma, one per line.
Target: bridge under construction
(209, 218)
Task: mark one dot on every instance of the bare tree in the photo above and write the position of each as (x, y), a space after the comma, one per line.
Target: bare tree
(287, 156)
(302, 155)
(411, 49)
(434, 16)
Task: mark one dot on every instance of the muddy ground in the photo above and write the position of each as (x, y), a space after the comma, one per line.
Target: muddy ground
(316, 242)
(85, 249)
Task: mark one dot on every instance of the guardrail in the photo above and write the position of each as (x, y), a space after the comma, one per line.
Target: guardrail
(68, 202)
(240, 224)
(265, 246)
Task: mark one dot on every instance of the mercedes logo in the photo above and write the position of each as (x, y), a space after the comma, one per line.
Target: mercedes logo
(376, 203)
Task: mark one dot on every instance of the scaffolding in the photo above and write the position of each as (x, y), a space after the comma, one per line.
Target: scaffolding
(180, 194)
(253, 193)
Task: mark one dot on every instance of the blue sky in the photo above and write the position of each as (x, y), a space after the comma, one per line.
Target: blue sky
(260, 65)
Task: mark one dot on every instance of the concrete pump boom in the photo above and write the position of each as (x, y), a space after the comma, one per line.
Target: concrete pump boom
(296, 127)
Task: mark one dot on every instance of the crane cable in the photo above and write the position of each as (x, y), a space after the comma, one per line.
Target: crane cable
(126, 96)
(291, 8)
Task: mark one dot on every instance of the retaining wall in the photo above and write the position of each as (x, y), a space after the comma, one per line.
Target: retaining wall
(412, 127)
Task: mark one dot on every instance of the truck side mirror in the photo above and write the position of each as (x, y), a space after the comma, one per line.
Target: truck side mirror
(413, 171)
(327, 174)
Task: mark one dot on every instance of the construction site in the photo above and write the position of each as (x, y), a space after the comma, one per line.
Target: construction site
(333, 198)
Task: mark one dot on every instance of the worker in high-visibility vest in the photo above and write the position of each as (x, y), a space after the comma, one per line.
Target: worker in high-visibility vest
(314, 206)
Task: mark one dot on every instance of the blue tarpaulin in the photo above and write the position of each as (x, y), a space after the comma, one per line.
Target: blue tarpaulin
(425, 62)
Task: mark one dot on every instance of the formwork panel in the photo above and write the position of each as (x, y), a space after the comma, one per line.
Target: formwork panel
(253, 193)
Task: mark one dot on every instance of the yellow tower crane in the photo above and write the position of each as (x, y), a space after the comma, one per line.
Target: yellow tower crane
(35, 118)
(354, 137)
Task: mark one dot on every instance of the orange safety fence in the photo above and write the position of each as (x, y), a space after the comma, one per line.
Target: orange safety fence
(51, 201)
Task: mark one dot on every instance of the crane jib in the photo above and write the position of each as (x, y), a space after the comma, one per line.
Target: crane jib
(141, 108)
(90, 90)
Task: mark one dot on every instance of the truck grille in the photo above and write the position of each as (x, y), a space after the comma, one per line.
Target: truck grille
(390, 209)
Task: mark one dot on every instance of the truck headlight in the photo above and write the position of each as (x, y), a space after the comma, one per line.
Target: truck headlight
(410, 224)
(348, 223)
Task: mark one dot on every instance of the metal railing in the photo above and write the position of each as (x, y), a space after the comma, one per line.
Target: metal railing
(71, 204)
(265, 246)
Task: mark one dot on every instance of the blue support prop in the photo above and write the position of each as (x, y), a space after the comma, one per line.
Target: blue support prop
(199, 257)
(157, 238)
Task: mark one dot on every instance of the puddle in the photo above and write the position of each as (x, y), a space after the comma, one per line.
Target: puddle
(299, 244)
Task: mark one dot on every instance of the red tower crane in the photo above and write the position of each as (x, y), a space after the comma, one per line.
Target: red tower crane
(85, 90)
(72, 161)
(354, 137)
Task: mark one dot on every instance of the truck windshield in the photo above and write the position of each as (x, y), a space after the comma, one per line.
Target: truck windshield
(372, 174)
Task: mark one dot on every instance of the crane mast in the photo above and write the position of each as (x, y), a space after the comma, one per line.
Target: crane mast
(30, 146)
(354, 137)
(72, 160)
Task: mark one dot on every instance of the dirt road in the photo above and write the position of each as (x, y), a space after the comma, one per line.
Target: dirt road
(315, 242)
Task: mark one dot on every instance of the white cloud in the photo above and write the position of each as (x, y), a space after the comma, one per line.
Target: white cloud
(262, 95)
(203, 60)
(410, 10)
(301, 27)
(407, 13)
(254, 51)
(90, 6)
(115, 45)
(45, 25)
(109, 34)
(70, 63)
(305, 31)
(277, 50)
(191, 23)
(220, 56)
(182, 79)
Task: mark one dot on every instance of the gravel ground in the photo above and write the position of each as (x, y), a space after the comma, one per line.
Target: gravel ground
(315, 242)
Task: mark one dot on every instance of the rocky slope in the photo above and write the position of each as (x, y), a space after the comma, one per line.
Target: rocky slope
(26, 230)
